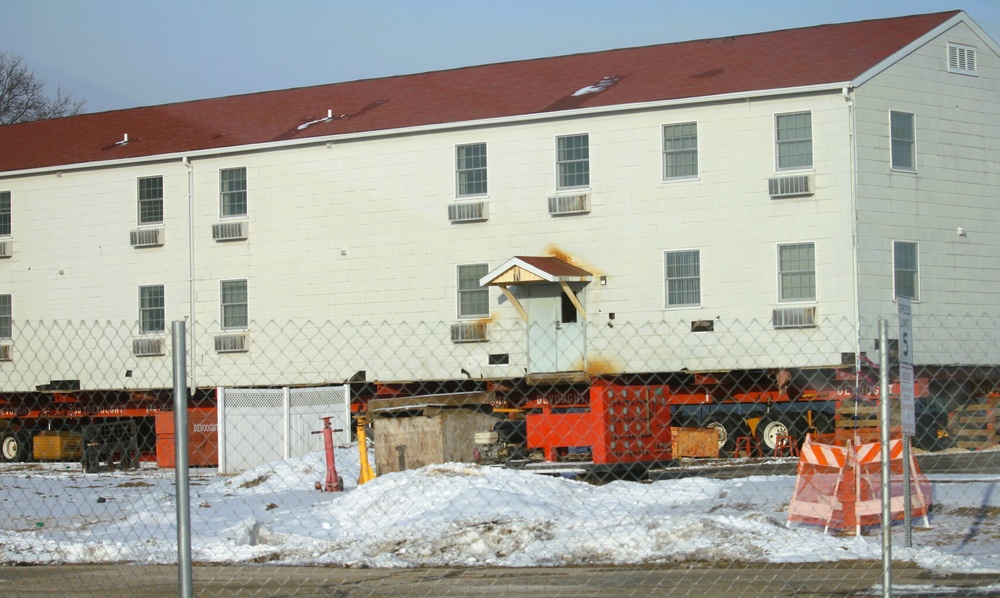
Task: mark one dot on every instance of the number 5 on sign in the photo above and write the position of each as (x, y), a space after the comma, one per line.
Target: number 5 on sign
(906, 367)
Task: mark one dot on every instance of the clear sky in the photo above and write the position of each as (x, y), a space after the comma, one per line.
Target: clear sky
(126, 53)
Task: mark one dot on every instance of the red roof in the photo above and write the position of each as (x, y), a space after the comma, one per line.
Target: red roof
(738, 64)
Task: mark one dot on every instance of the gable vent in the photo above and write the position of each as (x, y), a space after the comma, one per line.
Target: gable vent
(794, 317)
(231, 343)
(144, 347)
(789, 186)
(473, 211)
(229, 231)
(5, 351)
(961, 59)
(468, 332)
(569, 204)
(146, 237)
(6, 248)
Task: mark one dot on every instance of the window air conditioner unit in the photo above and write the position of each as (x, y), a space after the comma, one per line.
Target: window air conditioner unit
(144, 347)
(560, 205)
(794, 317)
(474, 211)
(230, 343)
(5, 352)
(229, 231)
(789, 186)
(468, 332)
(146, 237)
(6, 248)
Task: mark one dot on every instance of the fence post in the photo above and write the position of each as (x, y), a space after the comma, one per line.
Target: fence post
(884, 412)
(185, 585)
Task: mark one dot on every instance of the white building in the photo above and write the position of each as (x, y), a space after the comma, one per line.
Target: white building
(776, 188)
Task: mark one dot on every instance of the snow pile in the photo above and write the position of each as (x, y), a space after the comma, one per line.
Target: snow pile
(456, 515)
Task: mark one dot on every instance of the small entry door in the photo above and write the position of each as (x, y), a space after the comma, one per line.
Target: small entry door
(556, 331)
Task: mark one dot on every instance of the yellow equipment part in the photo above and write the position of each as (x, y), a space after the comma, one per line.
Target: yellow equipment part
(366, 471)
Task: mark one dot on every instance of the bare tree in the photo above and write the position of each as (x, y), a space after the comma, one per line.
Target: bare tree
(22, 94)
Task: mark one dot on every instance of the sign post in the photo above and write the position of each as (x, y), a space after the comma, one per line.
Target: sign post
(906, 403)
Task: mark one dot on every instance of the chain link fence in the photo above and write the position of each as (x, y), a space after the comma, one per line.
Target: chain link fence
(670, 458)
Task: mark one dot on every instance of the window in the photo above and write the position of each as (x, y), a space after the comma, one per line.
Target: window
(797, 272)
(680, 151)
(794, 138)
(573, 161)
(473, 300)
(233, 191)
(903, 141)
(234, 304)
(470, 169)
(151, 200)
(4, 213)
(6, 318)
(961, 59)
(682, 273)
(904, 266)
(152, 316)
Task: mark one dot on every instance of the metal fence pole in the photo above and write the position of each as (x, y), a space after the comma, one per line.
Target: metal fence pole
(883, 328)
(184, 579)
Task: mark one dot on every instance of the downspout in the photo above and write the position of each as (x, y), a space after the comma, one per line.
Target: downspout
(853, 161)
(192, 315)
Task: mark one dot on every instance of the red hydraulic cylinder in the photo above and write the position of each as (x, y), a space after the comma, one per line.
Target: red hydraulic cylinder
(333, 482)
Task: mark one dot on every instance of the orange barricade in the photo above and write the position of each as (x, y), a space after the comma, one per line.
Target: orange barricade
(839, 483)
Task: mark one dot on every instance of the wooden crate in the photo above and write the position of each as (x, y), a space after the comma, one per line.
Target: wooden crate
(694, 442)
(58, 446)
(974, 426)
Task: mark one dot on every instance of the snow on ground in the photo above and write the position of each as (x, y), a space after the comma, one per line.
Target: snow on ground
(457, 515)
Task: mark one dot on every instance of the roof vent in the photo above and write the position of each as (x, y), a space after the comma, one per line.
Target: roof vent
(309, 123)
(124, 140)
(961, 59)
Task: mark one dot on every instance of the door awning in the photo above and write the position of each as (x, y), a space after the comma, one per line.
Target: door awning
(534, 269)
(520, 270)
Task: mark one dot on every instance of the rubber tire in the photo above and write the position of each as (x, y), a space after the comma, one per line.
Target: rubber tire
(770, 426)
(730, 428)
(13, 447)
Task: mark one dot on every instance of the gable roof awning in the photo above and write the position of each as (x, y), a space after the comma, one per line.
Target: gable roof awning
(534, 269)
(524, 270)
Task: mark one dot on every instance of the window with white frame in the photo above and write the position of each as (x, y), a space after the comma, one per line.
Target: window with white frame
(473, 300)
(680, 151)
(797, 272)
(903, 136)
(961, 59)
(793, 135)
(152, 314)
(235, 307)
(6, 318)
(905, 270)
(233, 192)
(5, 214)
(682, 276)
(151, 200)
(470, 169)
(573, 161)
